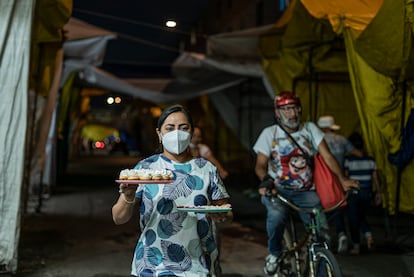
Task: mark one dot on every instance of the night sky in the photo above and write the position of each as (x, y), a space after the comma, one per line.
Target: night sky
(144, 47)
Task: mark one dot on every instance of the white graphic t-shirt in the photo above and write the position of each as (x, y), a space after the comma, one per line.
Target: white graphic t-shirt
(287, 164)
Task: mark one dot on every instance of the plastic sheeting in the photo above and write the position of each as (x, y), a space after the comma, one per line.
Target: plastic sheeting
(342, 14)
(14, 71)
(222, 78)
(379, 107)
(379, 52)
(338, 64)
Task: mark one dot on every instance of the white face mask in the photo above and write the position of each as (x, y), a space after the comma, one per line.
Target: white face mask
(176, 141)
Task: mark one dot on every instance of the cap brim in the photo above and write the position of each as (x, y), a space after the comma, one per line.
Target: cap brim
(335, 127)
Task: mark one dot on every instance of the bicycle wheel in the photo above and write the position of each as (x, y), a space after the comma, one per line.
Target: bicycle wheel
(326, 264)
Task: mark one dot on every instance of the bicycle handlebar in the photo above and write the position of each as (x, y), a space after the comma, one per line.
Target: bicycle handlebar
(299, 209)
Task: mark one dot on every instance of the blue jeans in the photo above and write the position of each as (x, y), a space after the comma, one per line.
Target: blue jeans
(358, 205)
(277, 215)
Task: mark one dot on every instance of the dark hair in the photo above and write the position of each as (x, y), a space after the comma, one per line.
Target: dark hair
(173, 109)
(356, 139)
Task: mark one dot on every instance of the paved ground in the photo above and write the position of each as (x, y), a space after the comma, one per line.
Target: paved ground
(74, 234)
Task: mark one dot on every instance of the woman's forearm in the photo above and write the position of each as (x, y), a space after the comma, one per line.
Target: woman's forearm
(123, 209)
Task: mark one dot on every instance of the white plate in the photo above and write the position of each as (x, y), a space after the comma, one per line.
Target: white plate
(144, 182)
(201, 209)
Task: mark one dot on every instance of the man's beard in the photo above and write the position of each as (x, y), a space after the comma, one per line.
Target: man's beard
(292, 124)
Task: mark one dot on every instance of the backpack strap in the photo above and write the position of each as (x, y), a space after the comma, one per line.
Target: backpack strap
(305, 154)
(294, 141)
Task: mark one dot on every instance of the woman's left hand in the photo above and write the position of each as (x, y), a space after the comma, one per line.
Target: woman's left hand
(221, 217)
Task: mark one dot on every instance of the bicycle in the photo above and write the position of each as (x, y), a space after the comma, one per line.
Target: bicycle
(309, 256)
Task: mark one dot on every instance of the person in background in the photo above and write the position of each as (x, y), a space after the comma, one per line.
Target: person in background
(363, 169)
(339, 147)
(283, 168)
(199, 149)
(173, 242)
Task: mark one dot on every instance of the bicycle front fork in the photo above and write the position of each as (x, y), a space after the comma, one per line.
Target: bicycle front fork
(312, 255)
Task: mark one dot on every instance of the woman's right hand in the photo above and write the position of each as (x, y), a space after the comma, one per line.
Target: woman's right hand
(122, 210)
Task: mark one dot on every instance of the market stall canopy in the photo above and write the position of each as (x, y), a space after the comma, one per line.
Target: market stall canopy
(379, 42)
(173, 91)
(238, 44)
(354, 60)
(76, 29)
(342, 14)
(85, 47)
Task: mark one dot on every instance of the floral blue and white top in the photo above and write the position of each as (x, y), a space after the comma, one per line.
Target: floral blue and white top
(173, 242)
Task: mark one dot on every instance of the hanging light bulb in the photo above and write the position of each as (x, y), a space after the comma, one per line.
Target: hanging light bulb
(170, 23)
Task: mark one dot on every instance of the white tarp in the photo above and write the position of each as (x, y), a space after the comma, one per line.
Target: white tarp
(237, 44)
(246, 108)
(219, 75)
(194, 75)
(101, 79)
(197, 75)
(14, 71)
(86, 46)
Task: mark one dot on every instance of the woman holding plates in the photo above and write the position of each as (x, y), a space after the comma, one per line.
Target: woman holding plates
(175, 242)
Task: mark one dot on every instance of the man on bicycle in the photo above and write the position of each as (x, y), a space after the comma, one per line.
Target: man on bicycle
(282, 167)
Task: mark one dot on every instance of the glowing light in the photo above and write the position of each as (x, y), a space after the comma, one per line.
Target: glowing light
(99, 145)
(171, 24)
(118, 100)
(110, 100)
(156, 112)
